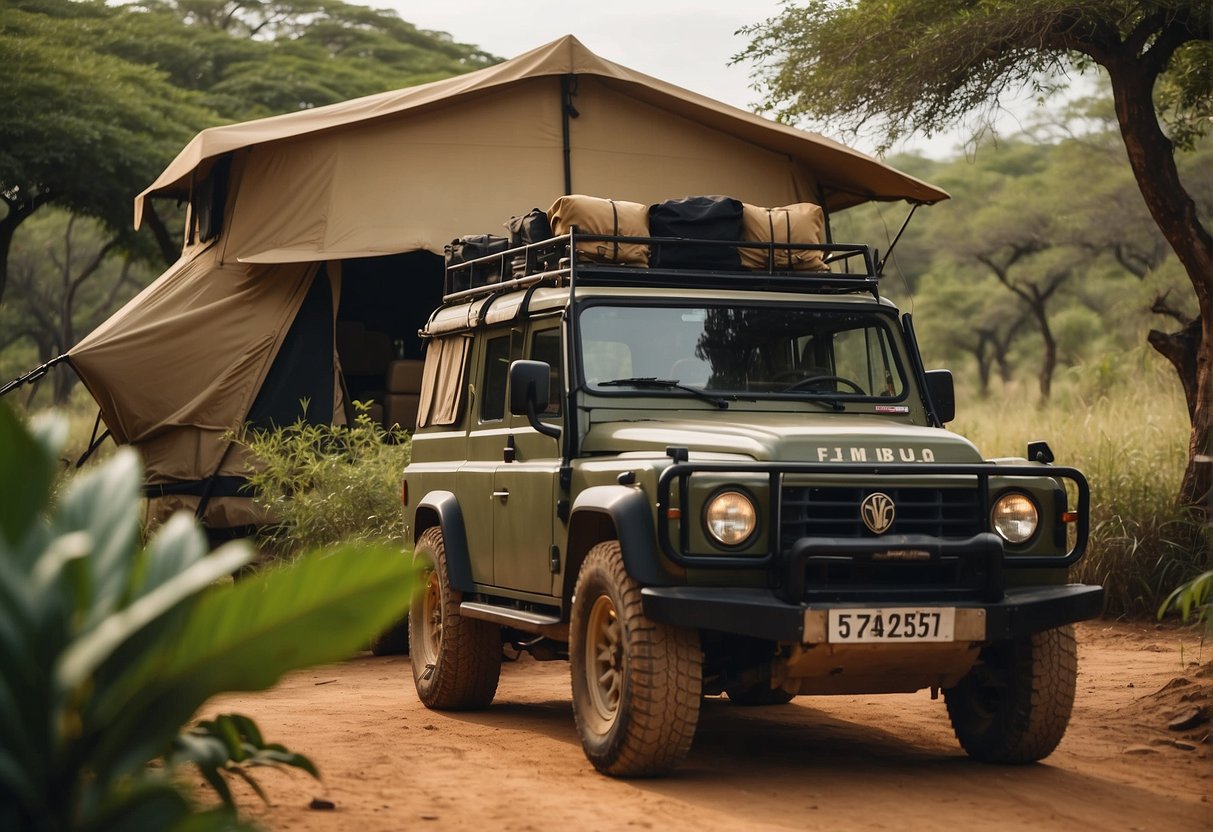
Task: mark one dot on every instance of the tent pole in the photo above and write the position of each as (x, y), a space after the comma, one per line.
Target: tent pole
(568, 89)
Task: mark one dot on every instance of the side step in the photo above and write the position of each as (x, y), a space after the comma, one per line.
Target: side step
(548, 626)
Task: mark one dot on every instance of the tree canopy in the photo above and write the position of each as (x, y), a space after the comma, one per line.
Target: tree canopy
(922, 66)
(100, 97)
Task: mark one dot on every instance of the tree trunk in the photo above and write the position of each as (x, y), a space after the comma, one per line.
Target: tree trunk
(1048, 364)
(1152, 158)
(19, 210)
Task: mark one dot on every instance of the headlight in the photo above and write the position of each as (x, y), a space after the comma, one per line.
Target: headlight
(731, 517)
(1015, 517)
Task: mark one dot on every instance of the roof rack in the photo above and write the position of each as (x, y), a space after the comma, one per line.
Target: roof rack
(550, 261)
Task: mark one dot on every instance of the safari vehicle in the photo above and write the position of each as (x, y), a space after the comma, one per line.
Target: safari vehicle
(695, 482)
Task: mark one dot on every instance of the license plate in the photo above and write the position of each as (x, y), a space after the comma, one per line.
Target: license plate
(884, 626)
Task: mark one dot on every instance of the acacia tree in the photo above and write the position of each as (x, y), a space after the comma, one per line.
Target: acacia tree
(921, 66)
(81, 129)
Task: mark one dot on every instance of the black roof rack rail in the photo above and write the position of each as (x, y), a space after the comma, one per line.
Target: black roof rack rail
(557, 260)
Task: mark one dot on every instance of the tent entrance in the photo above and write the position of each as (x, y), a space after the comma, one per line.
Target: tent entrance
(384, 302)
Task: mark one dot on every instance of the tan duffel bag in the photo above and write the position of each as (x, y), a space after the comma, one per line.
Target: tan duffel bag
(803, 222)
(593, 215)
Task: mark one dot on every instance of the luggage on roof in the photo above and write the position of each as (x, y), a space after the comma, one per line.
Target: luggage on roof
(696, 218)
(593, 215)
(802, 222)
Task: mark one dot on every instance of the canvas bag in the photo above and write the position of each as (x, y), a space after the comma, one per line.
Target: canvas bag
(593, 215)
(696, 218)
(802, 222)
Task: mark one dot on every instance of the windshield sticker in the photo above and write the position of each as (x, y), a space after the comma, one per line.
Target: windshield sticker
(875, 455)
(892, 408)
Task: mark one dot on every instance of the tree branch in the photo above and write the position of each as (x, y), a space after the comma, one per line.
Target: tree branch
(1176, 34)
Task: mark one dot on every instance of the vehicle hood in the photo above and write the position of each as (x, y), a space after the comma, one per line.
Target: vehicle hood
(845, 437)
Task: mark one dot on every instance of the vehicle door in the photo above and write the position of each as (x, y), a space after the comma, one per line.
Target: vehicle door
(487, 439)
(524, 504)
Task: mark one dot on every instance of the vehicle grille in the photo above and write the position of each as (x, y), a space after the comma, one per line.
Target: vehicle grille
(833, 511)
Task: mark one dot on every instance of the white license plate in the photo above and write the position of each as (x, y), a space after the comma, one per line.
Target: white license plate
(885, 626)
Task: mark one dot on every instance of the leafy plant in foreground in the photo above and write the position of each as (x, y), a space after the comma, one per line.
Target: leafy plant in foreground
(107, 650)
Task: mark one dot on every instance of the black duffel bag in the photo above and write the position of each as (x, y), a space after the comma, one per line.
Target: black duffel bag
(473, 247)
(532, 227)
(696, 218)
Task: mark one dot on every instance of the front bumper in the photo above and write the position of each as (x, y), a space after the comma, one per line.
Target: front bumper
(761, 614)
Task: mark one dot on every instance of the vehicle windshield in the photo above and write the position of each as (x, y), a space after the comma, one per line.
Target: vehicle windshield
(746, 352)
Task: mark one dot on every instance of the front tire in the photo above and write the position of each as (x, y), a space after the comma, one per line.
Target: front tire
(1014, 705)
(636, 682)
(456, 660)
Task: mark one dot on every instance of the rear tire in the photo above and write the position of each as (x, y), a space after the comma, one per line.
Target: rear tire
(636, 682)
(392, 641)
(1014, 705)
(456, 660)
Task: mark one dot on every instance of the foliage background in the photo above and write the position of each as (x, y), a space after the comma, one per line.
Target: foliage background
(1037, 283)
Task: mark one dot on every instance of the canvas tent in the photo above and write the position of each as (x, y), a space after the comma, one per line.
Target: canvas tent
(305, 227)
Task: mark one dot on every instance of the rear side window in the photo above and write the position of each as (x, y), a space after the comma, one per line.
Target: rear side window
(442, 381)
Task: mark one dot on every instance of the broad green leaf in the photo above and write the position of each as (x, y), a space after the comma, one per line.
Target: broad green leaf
(104, 503)
(87, 653)
(144, 806)
(177, 545)
(246, 636)
(27, 469)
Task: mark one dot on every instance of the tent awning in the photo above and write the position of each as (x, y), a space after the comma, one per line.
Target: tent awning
(846, 177)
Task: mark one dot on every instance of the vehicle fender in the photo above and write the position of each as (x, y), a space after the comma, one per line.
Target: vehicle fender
(440, 508)
(614, 512)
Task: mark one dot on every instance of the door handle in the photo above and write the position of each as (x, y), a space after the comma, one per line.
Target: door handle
(503, 494)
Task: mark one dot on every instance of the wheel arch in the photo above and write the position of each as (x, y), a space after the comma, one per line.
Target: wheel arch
(613, 512)
(441, 508)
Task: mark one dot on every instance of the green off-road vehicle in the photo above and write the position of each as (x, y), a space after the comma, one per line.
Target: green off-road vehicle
(691, 482)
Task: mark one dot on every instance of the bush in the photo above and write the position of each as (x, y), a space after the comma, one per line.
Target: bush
(1130, 439)
(327, 484)
(109, 649)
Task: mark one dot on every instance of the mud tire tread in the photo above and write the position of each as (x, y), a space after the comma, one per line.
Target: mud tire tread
(663, 677)
(468, 665)
(1031, 716)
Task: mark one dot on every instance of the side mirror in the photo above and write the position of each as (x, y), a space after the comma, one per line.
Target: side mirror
(531, 393)
(942, 394)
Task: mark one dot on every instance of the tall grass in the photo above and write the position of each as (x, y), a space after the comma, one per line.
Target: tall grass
(1130, 439)
(1121, 420)
(325, 484)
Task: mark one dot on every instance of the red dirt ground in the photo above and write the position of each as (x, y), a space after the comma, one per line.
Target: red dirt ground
(837, 763)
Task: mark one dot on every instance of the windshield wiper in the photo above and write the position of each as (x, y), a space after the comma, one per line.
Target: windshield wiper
(825, 399)
(652, 382)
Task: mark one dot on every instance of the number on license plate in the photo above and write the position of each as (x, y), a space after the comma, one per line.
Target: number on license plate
(863, 626)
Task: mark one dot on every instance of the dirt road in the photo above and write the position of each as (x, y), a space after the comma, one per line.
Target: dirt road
(835, 763)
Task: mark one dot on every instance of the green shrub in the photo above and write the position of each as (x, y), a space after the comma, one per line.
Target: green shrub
(109, 649)
(326, 484)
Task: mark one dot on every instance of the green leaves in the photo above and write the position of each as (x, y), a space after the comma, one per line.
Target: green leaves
(1191, 596)
(232, 744)
(24, 452)
(108, 649)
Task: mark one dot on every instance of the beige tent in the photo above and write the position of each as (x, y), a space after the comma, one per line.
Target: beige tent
(327, 224)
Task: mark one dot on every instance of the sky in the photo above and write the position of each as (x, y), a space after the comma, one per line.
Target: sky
(685, 42)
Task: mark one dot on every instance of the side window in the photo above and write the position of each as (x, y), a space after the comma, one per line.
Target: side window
(545, 346)
(496, 371)
(441, 385)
